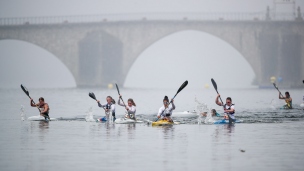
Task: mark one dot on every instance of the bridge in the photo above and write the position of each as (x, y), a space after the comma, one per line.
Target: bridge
(101, 49)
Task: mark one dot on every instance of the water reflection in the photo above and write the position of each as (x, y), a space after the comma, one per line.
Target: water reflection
(43, 128)
(221, 142)
(43, 125)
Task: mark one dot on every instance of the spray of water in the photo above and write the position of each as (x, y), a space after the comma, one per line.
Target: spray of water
(273, 104)
(22, 114)
(201, 108)
(89, 115)
(209, 119)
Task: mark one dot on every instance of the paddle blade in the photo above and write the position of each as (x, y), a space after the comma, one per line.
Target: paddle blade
(182, 86)
(214, 84)
(25, 90)
(303, 81)
(117, 89)
(92, 95)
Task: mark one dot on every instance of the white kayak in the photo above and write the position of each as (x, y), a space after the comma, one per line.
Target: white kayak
(126, 121)
(39, 118)
(184, 114)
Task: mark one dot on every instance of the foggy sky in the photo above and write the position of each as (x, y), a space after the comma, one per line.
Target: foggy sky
(193, 49)
(35, 8)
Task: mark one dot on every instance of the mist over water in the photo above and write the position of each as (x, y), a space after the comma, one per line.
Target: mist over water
(193, 56)
(269, 138)
(32, 66)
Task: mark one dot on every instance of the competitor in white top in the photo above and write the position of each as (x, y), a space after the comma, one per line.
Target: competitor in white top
(228, 107)
(165, 112)
(109, 107)
(131, 108)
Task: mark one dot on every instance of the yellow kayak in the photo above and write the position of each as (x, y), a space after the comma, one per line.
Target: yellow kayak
(163, 122)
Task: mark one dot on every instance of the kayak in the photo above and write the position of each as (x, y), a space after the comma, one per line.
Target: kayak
(39, 118)
(225, 121)
(184, 114)
(163, 123)
(126, 121)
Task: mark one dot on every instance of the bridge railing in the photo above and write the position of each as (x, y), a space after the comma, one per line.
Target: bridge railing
(258, 16)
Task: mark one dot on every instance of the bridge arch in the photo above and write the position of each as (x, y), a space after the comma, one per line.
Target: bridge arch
(32, 65)
(203, 41)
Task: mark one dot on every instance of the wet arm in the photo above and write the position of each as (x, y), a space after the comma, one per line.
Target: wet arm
(217, 101)
(173, 106)
(119, 103)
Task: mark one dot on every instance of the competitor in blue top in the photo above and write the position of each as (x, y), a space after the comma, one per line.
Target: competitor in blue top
(228, 107)
(109, 107)
(165, 112)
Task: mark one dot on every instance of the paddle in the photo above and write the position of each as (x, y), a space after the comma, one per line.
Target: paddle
(28, 94)
(215, 87)
(274, 84)
(122, 99)
(179, 90)
(92, 95)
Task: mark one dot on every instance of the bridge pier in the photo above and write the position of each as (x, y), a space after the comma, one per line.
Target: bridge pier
(281, 57)
(100, 59)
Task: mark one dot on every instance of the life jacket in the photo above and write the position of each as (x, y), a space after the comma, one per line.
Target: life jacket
(108, 106)
(166, 112)
(229, 107)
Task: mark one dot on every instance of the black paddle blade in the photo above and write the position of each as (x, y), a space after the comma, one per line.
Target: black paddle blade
(181, 88)
(303, 81)
(25, 90)
(92, 95)
(214, 83)
(117, 89)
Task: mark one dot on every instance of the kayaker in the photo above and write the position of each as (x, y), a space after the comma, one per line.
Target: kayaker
(213, 112)
(287, 99)
(109, 107)
(229, 109)
(165, 112)
(131, 108)
(44, 108)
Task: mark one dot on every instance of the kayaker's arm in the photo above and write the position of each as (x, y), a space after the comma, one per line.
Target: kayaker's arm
(173, 105)
(281, 96)
(217, 100)
(119, 102)
(32, 104)
(100, 105)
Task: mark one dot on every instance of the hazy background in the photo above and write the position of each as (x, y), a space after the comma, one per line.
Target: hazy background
(187, 55)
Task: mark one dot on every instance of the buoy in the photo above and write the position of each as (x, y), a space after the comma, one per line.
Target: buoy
(110, 86)
(206, 85)
(272, 79)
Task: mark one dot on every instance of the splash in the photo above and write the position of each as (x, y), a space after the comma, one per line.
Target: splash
(302, 104)
(209, 119)
(22, 114)
(201, 109)
(89, 115)
(273, 104)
